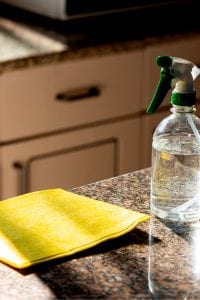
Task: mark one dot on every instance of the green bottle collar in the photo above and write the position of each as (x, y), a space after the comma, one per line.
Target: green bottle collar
(183, 99)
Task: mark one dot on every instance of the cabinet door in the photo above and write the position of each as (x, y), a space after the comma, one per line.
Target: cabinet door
(189, 48)
(70, 159)
(73, 166)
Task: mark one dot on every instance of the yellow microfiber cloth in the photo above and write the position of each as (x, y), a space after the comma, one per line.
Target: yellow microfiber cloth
(53, 223)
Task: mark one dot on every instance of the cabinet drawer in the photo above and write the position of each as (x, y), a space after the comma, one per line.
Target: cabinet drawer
(68, 94)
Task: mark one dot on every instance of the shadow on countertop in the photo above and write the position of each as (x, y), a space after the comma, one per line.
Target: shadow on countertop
(136, 237)
(102, 271)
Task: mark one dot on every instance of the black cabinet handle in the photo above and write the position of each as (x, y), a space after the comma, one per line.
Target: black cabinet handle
(79, 93)
(22, 179)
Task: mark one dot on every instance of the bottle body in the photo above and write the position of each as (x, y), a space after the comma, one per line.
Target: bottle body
(175, 180)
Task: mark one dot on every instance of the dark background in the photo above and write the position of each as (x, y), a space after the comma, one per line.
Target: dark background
(167, 17)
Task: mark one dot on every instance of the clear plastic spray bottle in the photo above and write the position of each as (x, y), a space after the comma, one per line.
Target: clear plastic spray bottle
(175, 177)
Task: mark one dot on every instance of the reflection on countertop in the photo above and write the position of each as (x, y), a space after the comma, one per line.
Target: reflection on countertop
(174, 264)
(157, 260)
(19, 41)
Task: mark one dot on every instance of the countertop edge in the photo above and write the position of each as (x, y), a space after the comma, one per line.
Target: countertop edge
(84, 52)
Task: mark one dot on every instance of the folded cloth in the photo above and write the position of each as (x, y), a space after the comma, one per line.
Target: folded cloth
(43, 225)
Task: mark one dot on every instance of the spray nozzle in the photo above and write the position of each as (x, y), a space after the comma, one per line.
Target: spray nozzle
(164, 61)
(178, 73)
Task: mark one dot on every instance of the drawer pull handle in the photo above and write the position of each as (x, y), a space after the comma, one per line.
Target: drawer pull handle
(77, 94)
(22, 180)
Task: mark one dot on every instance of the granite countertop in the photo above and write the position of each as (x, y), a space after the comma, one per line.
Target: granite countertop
(26, 45)
(161, 256)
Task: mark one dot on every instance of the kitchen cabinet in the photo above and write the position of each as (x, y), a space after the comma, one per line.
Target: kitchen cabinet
(69, 159)
(185, 47)
(71, 123)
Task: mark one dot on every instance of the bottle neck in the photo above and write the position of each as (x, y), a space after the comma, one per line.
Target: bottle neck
(183, 109)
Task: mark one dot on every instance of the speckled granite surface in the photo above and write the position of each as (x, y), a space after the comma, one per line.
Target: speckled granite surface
(164, 257)
(26, 46)
(23, 45)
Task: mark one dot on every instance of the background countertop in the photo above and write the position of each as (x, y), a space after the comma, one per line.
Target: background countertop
(26, 41)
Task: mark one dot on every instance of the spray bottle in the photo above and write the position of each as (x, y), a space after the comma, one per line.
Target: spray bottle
(175, 177)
